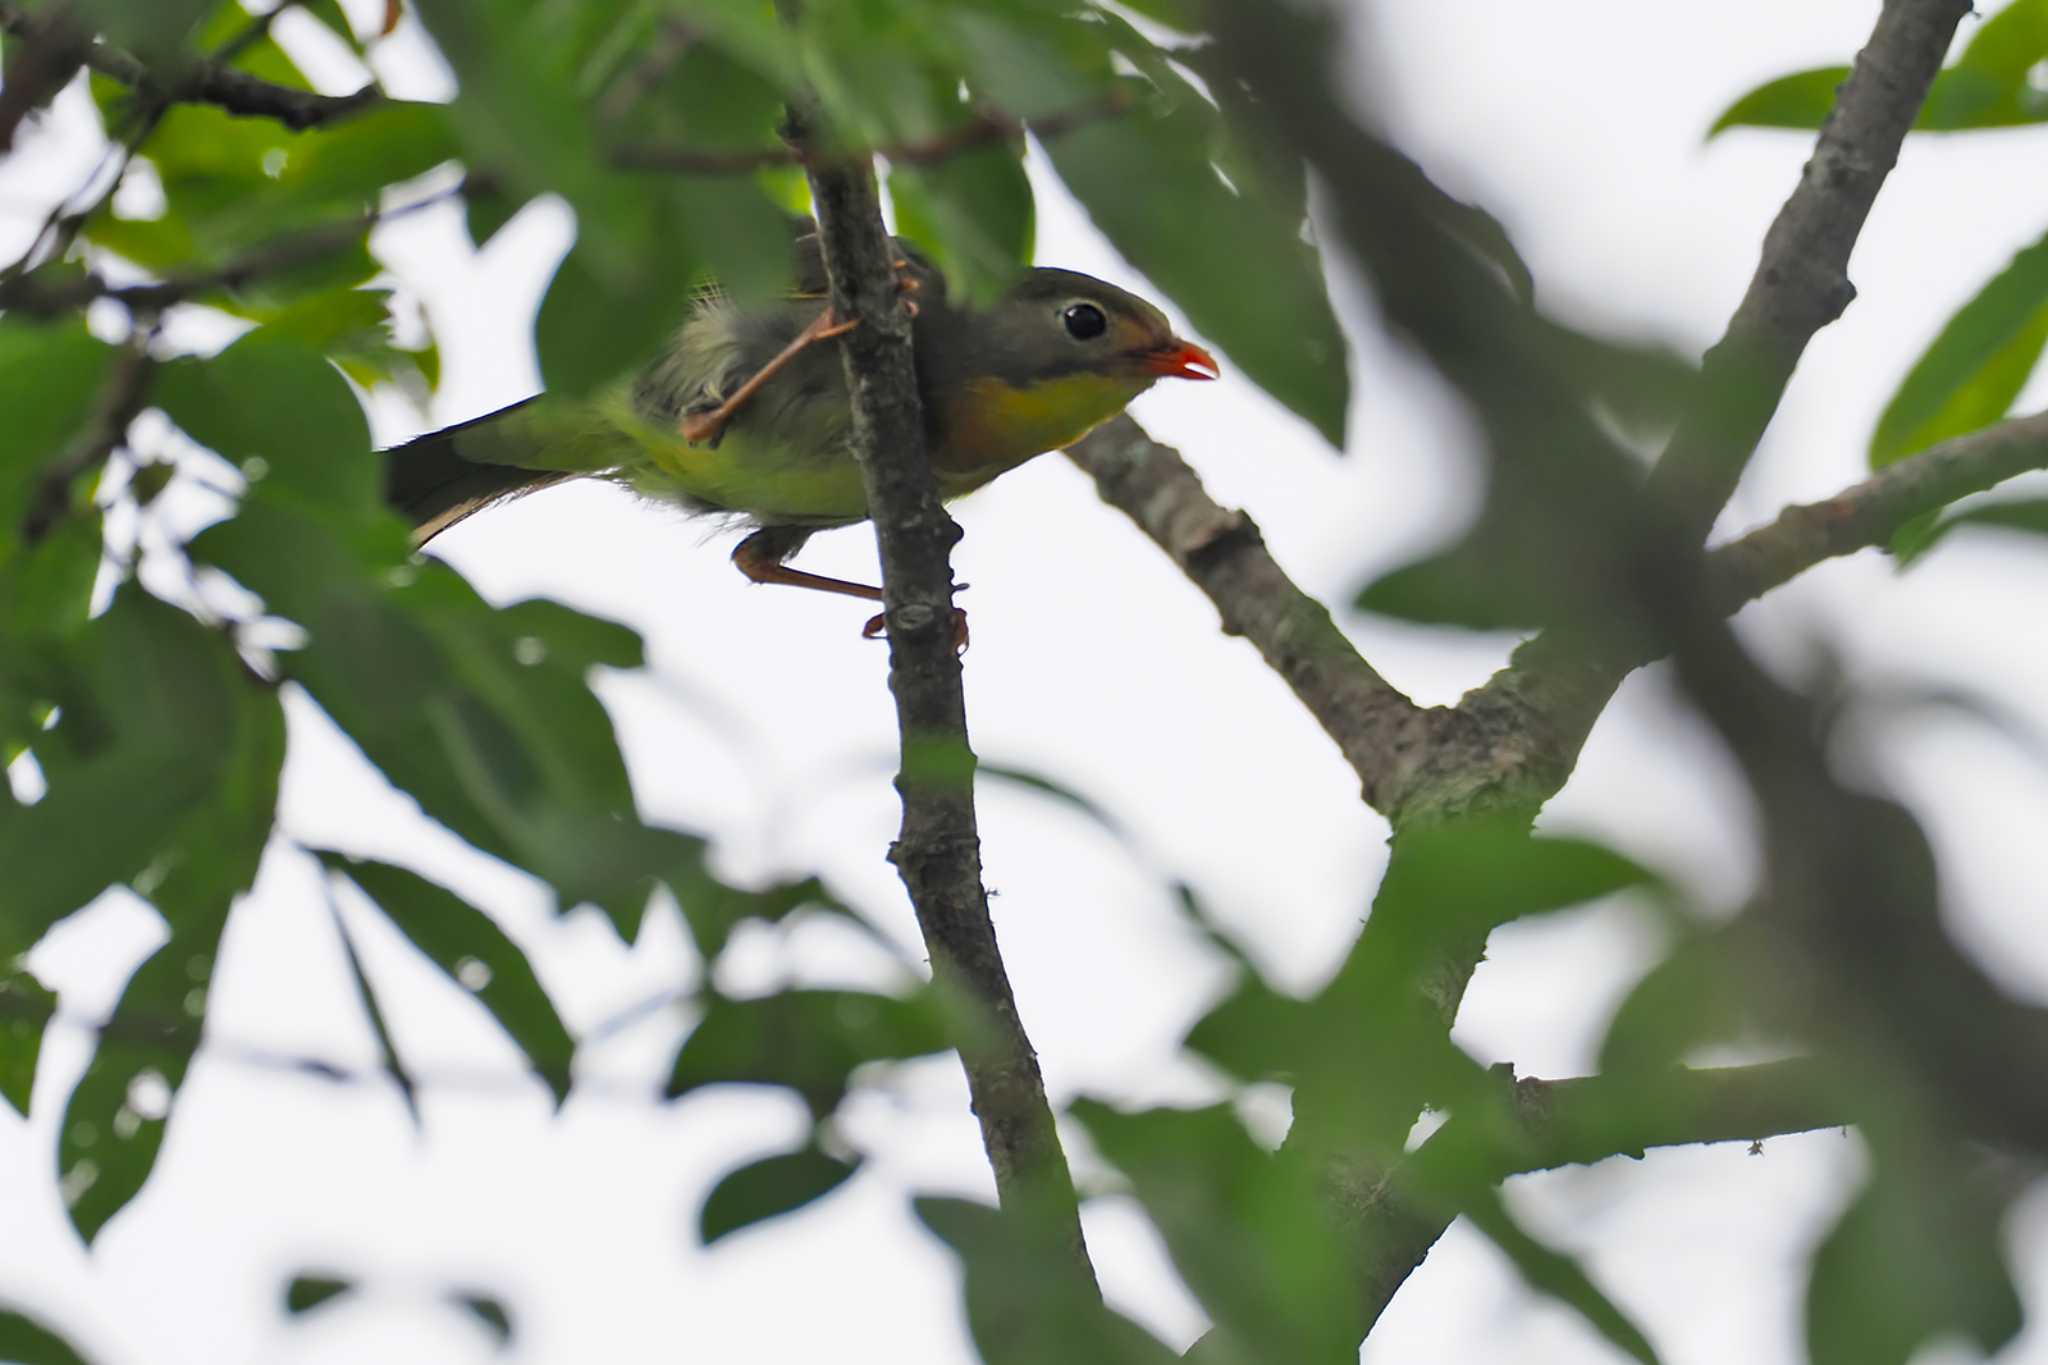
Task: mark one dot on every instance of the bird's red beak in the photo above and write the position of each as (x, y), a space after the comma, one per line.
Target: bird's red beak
(1182, 360)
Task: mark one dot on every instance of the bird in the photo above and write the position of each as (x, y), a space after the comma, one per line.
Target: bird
(744, 411)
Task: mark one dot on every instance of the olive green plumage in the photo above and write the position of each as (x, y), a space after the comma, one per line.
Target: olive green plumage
(1058, 354)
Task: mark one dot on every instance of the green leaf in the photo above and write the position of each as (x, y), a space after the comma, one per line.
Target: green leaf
(1800, 100)
(392, 1063)
(2006, 46)
(1553, 1273)
(489, 1311)
(25, 1010)
(1195, 237)
(474, 952)
(485, 716)
(114, 1121)
(769, 1188)
(274, 408)
(974, 214)
(1698, 995)
(1918, 1255)
(1987, 89)
(24, 1340)
(159, 31)
(1976, 366)
(306, 1292)
(154, 711)
(1026, 1305)
(807, 1040)
(353, 328)
(49, 379)
(712, 908)
(46, 588)
(2023, 514)
(1247, 1230)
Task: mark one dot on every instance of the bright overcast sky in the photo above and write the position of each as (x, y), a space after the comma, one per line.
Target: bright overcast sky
(764, 721)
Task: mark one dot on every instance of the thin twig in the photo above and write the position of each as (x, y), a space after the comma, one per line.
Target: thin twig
(938, 851)
(211, 82)
(1871, 512)
(70, 292)
(42, 63)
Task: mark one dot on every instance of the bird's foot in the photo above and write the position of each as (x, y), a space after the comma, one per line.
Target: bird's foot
(878, 627)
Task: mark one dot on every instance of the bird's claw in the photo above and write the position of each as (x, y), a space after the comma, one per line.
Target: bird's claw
(878, 627)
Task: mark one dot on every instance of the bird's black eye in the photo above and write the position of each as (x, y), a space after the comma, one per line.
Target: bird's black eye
(1084, 321)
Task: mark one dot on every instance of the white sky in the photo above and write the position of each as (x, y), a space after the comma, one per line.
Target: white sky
(764, 720)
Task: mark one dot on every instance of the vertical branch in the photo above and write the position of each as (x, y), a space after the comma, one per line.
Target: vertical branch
(938, 852)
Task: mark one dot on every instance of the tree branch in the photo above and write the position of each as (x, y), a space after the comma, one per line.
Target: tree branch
(204, 82)
(1578, 1122)
(1802, 281)
(1378, 730)
(1587, 1119)
(1800, 285)
(1511, 745)
(938, 852)
(1871, 512)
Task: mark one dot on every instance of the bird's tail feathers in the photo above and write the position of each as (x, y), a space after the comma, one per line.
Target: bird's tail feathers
(428, 481)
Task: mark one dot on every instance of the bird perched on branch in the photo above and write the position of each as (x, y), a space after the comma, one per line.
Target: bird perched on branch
(746, 411)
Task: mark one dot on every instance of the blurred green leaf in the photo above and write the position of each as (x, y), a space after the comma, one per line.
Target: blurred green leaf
(807, 1040)
(713, 908)
(1970, 375)
(1986, 88)
(485, 716)
(49, 379)
(596, 327)
(881, 69)
(769, 1188)
(974, 215)
(1800, 100)
(306, 1292)
(1247, 1230)
(1975, 367)
(1025, 1303)
(486, 208)
(1918, 1255)
(354, 329)
(475, 953)
(2008, 44)
(1201, 242)
(490, 1313)
(46, 588)
(114, 1121)
(2022, 514)
(156, 716)
(25, 1010)
(273, 398)
(1697, 996)
(28, 1342)
(1553, 1273)
(158, 31)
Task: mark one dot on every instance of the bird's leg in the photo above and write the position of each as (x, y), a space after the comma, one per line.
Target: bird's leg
(697, 428)
(706, 426)
(759, 557)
